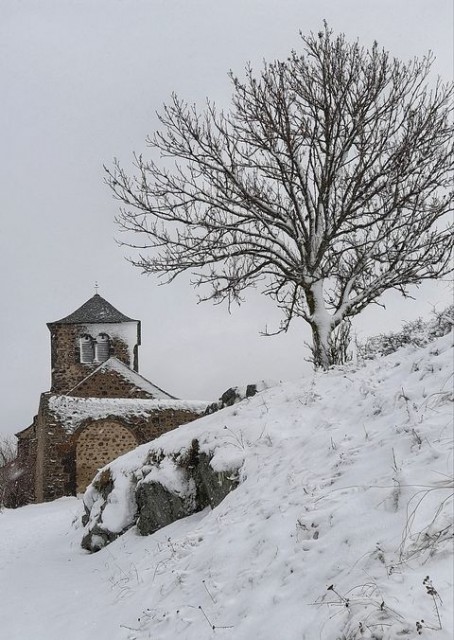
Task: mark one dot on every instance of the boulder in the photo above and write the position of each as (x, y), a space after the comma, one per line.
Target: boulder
(212, 486)
(237, 394)
(167, 488)
(100, 528)
(158, 507)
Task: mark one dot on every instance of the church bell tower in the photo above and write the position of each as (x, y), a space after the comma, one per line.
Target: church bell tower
(86, 338)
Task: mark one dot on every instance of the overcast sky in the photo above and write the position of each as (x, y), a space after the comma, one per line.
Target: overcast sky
(80, 83)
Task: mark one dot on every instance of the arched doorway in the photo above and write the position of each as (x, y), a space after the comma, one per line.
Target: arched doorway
(99, 443)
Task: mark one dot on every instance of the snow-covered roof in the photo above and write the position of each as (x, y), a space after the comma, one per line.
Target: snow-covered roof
(95, 310)
(113, 364)
(73, 411)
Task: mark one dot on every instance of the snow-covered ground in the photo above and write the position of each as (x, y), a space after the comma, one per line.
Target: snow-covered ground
(341, 527)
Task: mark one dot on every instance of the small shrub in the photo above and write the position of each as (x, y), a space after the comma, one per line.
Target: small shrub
(417, 332)
(8, 470)
(7, 451)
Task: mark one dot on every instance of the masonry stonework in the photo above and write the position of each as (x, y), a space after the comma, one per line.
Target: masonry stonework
(107, 384)
(96, 410)
(66, 366)
(98, 444)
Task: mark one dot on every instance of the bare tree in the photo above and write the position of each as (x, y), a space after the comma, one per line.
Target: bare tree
(7, 450)
(329, 182)
(7, 456)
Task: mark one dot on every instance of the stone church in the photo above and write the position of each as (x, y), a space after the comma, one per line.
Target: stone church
(98, 407)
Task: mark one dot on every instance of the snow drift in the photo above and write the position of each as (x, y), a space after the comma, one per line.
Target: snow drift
(340, 527)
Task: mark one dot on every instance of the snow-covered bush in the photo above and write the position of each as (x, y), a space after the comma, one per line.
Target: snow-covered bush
(417, 332)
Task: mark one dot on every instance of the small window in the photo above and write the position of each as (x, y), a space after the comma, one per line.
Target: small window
(86, 349)
(102, 347)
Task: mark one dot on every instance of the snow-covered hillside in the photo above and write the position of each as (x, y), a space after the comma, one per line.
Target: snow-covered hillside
(340, 528)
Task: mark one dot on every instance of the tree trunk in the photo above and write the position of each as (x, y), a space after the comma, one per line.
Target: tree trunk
(322, 325)
(330, 343)
(321, 351)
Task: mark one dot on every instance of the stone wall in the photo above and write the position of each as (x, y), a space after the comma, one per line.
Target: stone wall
(97, 444)
(159, 422)
(56, 464)
(120, 350)
(67, 370)
(57, 448)
(108, 384)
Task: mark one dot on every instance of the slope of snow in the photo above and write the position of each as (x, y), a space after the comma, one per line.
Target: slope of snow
(341, 527)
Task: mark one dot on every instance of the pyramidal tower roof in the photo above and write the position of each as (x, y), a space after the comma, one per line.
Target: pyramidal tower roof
(94, 311)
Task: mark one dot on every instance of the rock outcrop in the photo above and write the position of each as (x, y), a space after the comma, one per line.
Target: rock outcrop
(166, 488)
(233, 395)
